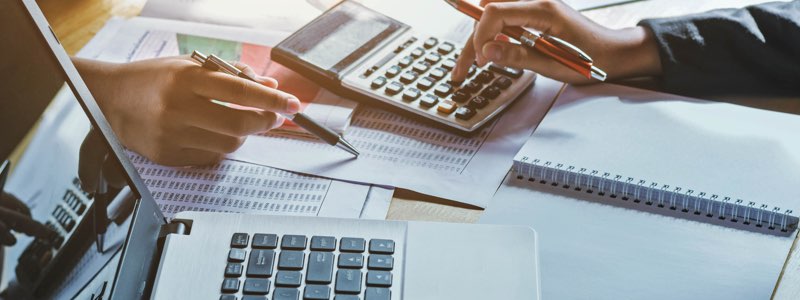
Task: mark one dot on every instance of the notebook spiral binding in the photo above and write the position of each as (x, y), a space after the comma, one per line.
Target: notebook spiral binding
(653, 194)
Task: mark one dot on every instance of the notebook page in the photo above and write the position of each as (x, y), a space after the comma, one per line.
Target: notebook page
(717, 148)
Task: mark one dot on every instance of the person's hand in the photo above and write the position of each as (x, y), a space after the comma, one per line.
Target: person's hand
(162, 108)
(621, 53)
(15, 216)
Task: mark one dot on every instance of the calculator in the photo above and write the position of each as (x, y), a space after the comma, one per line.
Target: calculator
(361, 54)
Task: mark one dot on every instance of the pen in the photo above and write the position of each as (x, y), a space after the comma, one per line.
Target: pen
(214, 63)
(553, 47)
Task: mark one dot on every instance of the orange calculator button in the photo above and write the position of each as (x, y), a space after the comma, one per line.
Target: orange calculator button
(447, 107)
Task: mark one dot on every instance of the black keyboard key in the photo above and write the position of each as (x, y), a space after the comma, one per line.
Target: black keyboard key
(425, 83)
(288, 278)
(394, 88)
(320, 267)
(408, 77)
(472, 70)
(315, 292)
(379, 278)
(323, 243)
(291, 260)
(460, 96)
(472, 87)
(240, 240)
(378, 294)
(478, 102)
(405, 61)
(491, 92)
(411, 94)
(449, 64)
(502, 82)
(484, 77)
(230, 285)
(508, 71)
(446, 48)
(378, 82)
(265, 241)
(293, 242)
(430, 42)
(437, 73)
(421, 67)
(428, 101)
(380, 262)
(286, 294)
(260, 263)
(392, 71)
(465, 113)
(233, 270)
(417, 52)
(346, 297)
(351, 260)
(348, 281)
(254, 297)
(352, 245)
(433, 58)
(227, 297)
(236, 255)
(443, 90)
(256, 286)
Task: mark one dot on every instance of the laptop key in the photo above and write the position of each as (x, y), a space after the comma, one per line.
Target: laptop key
(323, 243)
(378, 294)
(260, 263)
(320, 267)
(348, 281)
(256, 286)
(291, 260)
(254, 297)
(239, 240)
(351, 260)
(230, 285)
(233, 270)
(314, 291)
(265, 241)
(236, 255)
(380, 262)
(346, 297)
(227, 297)
(286, 294)
(293, 242)
(381, 246)
(379, 278)
(352, 245)
(288, 278)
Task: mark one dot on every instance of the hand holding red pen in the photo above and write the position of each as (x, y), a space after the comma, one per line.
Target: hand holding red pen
(621, 53)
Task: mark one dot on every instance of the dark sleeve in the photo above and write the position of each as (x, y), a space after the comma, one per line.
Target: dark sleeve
(753, 50)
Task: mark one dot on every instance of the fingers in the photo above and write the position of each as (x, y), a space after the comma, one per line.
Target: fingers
(13, 203)
(201, 139)
(496, 15)
(516, 56)
(229, 121)
(464, 61)
(266, 81)
(224, 87)
(189, 157)
(24, 224)
(6, 237)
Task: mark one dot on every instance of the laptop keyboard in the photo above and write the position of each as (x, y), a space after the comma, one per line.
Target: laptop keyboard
(292, 267)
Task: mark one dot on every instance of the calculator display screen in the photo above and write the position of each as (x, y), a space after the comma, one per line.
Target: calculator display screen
(341, 36)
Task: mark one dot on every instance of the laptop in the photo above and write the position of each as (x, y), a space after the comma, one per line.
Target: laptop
(203, 255)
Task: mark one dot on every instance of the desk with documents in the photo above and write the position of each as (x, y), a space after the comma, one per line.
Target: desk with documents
(70, 21)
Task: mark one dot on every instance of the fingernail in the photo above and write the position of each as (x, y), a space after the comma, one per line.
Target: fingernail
(493, 51)
(279, 121)
(292, 105)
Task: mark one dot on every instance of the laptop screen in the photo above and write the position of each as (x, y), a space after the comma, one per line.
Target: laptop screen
(69, 178)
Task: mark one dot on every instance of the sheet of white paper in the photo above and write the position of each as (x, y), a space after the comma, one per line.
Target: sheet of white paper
(399, 152)
(378, 201)
(590, 250)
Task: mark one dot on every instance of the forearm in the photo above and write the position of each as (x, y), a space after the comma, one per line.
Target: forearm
(630, 52)
(100, 78)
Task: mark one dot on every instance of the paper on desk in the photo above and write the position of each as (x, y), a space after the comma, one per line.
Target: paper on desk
(143, 38)
(397, 151)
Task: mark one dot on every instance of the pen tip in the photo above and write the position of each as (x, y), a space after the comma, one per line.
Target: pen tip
(344, 145)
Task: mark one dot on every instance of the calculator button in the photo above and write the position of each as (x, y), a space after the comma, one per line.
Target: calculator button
(393, 71)
(230, 285)
(421, 67)
(472, 87)
(447, 107)
(438, 73)
(323, 243)
(417, 53)
(433, 58)
(233, 270)
(425, 83)
(472, 70)
(449, 64)
(288, 279)
(378, 82)
(381, 262)
(408, 77)
(348, 281)
(375, 293)
(411, 94)
(291, 260)
(394, 88)
(428, 101)
(379, 278)
(508, 71)
(236, 255)
(478, 102)
(256, 286)
(491, 92)
(352, 245)
(405, 61)
(465, 113)
(460, 96)
(265, 241)
(239, 240)
(445, 48)
(351, 260)
(430, 42)
(293, 242)
(443, 89)
(502, 82)
(484, 77)
(381, 246)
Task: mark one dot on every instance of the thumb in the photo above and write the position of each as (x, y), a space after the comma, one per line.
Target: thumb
(508, 54)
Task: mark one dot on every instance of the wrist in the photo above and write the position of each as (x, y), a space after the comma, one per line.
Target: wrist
(634, 54)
